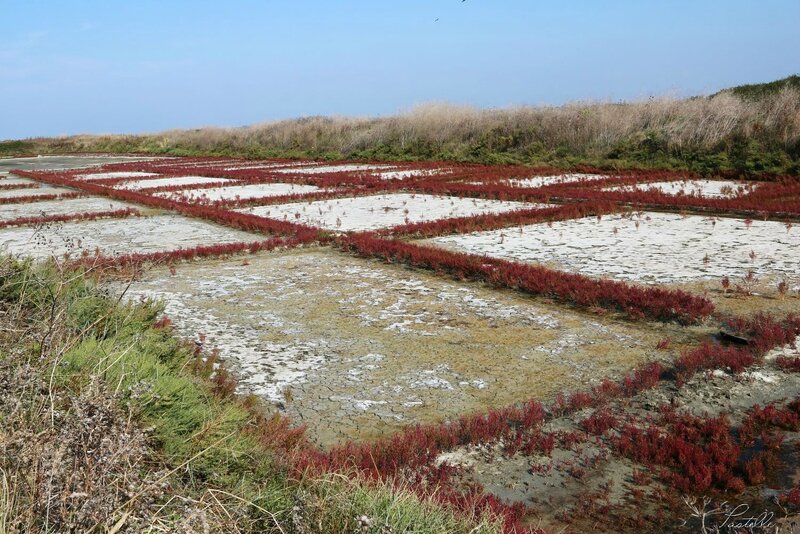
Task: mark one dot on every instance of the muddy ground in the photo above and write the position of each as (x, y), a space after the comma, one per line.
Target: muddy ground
(569, 487)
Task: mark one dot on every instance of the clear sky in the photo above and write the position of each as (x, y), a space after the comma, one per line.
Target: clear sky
(83, 66)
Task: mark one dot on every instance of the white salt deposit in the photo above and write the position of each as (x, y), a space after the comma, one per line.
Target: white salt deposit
(117, 236)
(408, 173)
(702, 188)
(269, 165)
(113, 175)
(178, 181)
(540, 181)
(16, 180)
(652, 248)
(332, 168)
(42, 190)
(382, 211)
(241, 192)
(60, 207)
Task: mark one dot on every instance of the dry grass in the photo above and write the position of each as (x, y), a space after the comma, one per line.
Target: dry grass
(437, 130)
(67, 458)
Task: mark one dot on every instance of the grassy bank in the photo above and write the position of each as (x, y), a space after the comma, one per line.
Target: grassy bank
(743, 130)
(108, 422)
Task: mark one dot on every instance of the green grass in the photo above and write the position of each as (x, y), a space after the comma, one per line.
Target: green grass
(16, 148)
(754, 158)
(759, 91)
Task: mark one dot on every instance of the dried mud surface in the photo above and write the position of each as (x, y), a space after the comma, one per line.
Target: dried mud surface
(357, 349)
(117, 236)
(61, 207)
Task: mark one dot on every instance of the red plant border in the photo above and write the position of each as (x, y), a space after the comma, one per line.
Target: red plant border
(39, 198)
(87, 216)
(11, 187)
(764, 333)
(136, 260)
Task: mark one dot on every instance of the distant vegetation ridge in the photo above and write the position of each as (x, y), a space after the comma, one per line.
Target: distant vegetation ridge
(746, 130)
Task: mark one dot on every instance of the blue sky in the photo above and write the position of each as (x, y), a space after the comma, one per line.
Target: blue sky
(141, 66)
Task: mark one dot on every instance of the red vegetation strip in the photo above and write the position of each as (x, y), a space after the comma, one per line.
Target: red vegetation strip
(418, 446)
(38, 198)
(712, 356)
(7, 187)
(413, 450)
(88, 216)
(703, 454)
(637, 302)
(764, 332)
(788, 364)
(699, 453)
(771, 416)
(100, 261)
